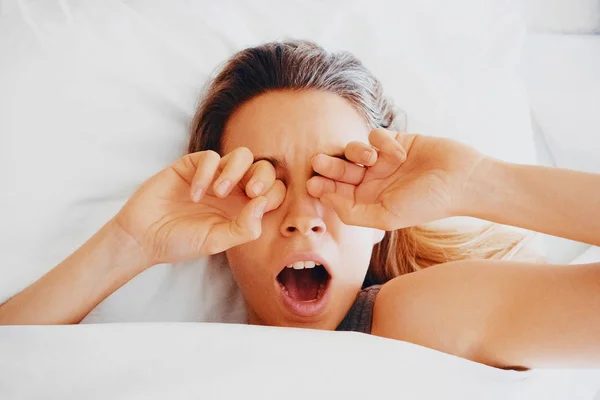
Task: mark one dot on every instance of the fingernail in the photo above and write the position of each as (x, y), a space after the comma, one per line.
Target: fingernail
(258, 187)
(259, 209)
(367, 155)
(197, 195)
(223, 187)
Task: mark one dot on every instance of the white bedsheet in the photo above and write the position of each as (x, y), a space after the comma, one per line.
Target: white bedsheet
(209, 361)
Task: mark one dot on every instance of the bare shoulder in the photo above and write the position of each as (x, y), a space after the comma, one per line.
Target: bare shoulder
(456, 307)
(499, 313)
(433, 308)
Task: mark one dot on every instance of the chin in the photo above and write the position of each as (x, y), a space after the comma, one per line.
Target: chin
(324, 311)
(303, 290)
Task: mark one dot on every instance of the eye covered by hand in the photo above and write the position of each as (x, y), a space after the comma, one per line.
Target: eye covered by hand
(200, 205)
(394, 181)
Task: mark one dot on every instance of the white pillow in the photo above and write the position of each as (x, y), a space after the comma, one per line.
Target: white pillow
(592, 255)
(223, 361)
(562, 77)
(561, 74)
(95, 97)
(563, 16)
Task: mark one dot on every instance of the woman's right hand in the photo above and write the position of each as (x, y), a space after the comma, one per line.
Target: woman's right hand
(201, 205)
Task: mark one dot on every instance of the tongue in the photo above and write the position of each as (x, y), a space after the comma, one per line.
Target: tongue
(301, 284)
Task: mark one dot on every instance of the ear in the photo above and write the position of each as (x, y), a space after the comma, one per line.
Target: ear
(378, 236)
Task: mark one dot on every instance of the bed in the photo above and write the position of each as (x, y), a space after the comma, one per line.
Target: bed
(95, 97)
(213, 361)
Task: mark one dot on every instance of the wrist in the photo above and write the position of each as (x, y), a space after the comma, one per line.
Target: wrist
(484, 189)
(126, 248)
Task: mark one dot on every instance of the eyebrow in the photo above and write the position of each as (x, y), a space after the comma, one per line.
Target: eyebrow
(279, 161)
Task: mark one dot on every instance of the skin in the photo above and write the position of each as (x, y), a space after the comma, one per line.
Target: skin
(291, 129)
(503, 314)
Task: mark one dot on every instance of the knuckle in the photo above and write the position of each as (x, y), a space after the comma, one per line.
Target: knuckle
(337, 168)
(279, 189)
(246, 232)
(276, 195)
(265, 166)
(380, 135)
(377, 131)
(244, 153)
(256, 170)
(212, 245)
(356, 147)
(254, 234)
(397, 152)
(211, 155)
(236, 230)
(187, 161)
(343, 169)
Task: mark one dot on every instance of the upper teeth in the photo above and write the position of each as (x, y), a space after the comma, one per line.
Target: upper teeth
(302, 264)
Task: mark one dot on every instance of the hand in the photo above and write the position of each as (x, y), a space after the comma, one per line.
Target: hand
(400, 180)
(202, 204)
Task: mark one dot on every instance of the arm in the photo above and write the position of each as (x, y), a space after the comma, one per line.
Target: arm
(507, 315)
(512, 314)
(503, 314)
(67, 293)
(550, 200)
(417, 179)
(165, 221)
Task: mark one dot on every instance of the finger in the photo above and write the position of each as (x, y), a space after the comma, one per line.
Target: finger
(187, 165)
(350, 213)
(390, 149)
(360, 153)
(320, 187)
(234, 166)
(247, 226)
(341, 197)
(259, 178)
(338, 169)
(275, 195)
(208, 163)
(317, 186)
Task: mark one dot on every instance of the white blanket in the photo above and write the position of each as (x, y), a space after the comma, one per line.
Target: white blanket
(209, 361)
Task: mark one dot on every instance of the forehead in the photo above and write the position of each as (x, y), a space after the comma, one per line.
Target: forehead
(294, 124)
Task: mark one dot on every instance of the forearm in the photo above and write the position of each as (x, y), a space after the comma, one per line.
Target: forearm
(549, 200)
(67, 293)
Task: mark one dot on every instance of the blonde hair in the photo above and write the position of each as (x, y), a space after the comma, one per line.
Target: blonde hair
(411, 249)
(303, 65)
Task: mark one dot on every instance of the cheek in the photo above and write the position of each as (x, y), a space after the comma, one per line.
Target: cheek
(251, 262)
(237, 258)
(245, 262)
(356, 246)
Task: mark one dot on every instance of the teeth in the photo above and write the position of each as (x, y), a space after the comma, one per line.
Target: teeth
(298, 265)
(302, 265)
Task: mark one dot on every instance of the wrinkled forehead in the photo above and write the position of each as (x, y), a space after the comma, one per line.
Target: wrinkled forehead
(294, 125)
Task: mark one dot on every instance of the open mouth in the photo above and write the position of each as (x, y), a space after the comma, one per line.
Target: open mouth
(304, 286)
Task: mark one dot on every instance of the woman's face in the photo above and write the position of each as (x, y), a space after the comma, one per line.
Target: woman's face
(289, 128)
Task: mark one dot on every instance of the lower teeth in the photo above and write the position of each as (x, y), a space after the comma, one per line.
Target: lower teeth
(320, 291)
(284, 289)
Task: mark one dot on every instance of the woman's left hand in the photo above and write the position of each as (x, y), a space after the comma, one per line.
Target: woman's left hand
(399, 180)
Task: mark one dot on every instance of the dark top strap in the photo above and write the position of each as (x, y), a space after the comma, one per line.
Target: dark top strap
(360, 316)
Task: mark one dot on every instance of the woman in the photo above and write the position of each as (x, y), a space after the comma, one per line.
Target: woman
(293, 173)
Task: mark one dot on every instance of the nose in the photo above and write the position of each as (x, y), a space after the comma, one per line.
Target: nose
(303, 216)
